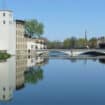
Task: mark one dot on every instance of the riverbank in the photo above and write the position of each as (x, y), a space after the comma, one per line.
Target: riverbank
(4, 56)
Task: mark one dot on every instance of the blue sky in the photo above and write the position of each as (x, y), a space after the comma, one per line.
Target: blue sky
(63, 18)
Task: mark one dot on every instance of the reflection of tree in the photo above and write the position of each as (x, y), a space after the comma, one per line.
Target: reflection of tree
(102, 61)
(33, 75)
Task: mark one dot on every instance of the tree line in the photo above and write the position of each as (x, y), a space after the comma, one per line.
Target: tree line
(73, 42)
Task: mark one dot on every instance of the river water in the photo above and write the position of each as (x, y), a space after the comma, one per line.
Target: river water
(52, 81)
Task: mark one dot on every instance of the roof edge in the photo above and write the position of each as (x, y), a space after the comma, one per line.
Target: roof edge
(20, 21)
(6, 10)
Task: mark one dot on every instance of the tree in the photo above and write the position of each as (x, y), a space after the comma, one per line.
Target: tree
(67, 43)
(34, 28)
(54, 45)
(81, 43)
(70, 43)
(73, 42)
(39, 29)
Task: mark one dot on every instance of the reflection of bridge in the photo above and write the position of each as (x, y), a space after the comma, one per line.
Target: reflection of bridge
(76, 52)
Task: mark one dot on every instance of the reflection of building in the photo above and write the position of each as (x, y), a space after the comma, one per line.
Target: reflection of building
(102, 60)
(38, 61)
(13, 38)
(7, 79)
(21, 65)
(12, 74)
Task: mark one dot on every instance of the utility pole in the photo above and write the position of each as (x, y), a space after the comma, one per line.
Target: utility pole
(86, 35)
(86, 43)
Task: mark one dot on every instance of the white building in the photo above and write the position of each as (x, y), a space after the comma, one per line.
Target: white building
(13, 39)
(31, 46)
(7, 32)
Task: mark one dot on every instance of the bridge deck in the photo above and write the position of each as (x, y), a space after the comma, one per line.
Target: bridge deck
(76, 52)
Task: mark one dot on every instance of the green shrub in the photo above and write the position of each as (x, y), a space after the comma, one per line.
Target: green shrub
(4, 55)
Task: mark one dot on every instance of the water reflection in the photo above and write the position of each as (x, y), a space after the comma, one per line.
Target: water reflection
(85, 59)
(7, 79)
(17, 71)
(20, 70)
(94, 59)
(102, 60)
(33, 75)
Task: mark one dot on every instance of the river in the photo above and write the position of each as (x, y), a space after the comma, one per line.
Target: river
(52, 81)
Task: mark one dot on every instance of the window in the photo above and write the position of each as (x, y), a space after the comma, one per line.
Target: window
(28, 51)
(4, 89)
(3, 14)
(4, 22)
(3, 96)
(28, 57)
(36, 47)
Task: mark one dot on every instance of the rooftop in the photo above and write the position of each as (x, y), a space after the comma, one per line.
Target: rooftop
(20, 21)
(6, 10)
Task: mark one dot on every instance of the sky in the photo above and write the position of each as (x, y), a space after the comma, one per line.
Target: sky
(62, 18)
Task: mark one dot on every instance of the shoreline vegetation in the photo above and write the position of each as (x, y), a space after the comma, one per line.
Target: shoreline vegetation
(77, 43)
(4, 56)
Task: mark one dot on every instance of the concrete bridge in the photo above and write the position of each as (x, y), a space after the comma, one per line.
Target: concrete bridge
(74, 52)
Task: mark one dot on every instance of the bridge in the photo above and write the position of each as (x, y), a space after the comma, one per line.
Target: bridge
(74, 52)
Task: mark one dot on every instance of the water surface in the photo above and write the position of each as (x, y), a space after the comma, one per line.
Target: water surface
(44, 81)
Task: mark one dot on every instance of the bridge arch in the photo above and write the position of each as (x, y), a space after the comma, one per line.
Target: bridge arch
(93, 53)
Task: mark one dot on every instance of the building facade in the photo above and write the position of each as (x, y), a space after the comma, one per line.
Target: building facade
(13, 39)
(21, 41)
(101, 42)
(7, 32)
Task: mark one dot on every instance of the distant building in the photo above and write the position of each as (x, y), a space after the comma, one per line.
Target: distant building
(101, 42)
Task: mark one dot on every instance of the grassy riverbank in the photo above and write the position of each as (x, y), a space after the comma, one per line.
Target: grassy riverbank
(4, 55)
